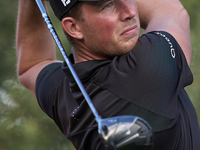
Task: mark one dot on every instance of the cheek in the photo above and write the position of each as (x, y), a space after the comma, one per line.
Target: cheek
(106, 30)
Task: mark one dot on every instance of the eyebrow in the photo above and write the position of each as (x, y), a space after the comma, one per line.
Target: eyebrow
(103, 1)
(99, 3)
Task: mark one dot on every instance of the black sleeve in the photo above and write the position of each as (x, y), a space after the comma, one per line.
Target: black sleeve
(47, 81)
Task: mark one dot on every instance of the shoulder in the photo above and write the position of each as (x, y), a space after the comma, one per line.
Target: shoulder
(48, 78)
(28, 78)
(154, 43)
(177, 23)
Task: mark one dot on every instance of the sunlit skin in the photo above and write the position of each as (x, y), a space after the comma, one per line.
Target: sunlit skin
(110, 28)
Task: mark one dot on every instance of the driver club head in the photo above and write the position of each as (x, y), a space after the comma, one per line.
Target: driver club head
(126, 133)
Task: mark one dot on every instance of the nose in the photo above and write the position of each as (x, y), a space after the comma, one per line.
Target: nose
(128, 9)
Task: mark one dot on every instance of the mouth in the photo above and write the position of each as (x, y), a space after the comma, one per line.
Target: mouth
(130, 31)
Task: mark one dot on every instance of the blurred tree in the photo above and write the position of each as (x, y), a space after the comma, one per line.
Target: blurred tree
(193, 8)
(7, 30)
(24, 125)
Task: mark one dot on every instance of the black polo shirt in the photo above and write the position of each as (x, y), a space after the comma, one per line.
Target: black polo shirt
(147, 82)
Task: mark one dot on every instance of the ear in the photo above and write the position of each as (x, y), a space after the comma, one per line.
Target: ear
(71, 26)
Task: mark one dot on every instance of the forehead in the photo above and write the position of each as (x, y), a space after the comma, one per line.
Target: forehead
(94, 6)
(91, 6)
(102, 2)
(97, 3)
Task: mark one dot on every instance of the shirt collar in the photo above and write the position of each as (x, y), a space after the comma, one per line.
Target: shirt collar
(84, 69)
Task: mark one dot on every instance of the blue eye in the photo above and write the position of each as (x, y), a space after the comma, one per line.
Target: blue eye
(108, 5)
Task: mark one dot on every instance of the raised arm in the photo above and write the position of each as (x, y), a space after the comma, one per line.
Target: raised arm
(167, 15)
(34, 44)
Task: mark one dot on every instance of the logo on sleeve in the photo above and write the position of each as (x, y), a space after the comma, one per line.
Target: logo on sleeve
(66, 2)
(173, 54)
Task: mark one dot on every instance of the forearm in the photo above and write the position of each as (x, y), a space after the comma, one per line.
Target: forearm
(161, 10)
(34, 43)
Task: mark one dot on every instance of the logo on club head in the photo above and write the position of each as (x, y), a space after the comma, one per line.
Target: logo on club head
(66, 2)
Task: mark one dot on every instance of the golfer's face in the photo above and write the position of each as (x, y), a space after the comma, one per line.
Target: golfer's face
(110, 27)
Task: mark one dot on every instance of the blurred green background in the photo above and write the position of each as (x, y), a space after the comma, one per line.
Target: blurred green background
(23, 125)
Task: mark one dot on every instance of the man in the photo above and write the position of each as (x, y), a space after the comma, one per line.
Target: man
(123, 73)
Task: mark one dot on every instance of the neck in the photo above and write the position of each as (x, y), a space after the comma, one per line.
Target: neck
(82, 53)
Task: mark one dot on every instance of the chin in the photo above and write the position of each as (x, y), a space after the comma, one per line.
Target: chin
(128, 48)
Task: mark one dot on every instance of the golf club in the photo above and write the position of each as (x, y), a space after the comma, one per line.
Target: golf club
(117, 133)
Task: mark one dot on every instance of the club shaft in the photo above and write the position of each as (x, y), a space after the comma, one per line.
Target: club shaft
(64, 54)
